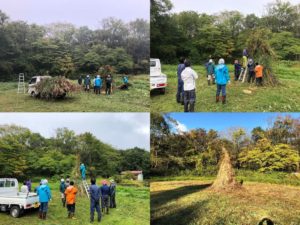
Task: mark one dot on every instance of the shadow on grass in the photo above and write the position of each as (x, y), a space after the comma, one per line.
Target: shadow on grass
(166, 196)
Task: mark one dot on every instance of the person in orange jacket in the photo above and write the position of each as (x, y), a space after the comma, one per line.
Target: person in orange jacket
(258, 74)
(70, 194)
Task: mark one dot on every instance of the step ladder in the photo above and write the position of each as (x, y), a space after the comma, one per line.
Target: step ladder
(86, 188)
(243, 75)
(21, 84)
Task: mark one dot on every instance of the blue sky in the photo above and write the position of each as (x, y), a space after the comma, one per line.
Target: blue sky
(214, 6)
(223, 121)
(121, 130)
(79, 12)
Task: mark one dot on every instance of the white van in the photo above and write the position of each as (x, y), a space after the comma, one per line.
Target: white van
(158, 80)
(14, 201)
(33, 83)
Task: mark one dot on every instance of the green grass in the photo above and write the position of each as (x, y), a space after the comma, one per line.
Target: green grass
(133, 206)
(283, 98)
(136, 99)
(192, 202)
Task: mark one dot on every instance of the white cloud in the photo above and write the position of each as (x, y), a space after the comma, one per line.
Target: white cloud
(180, 127)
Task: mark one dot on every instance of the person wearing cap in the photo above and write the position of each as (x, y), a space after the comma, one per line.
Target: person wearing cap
(95, 195)
(62, 188)
(105, 192)
(251, 68)
(189, 77)
(222, 78)
(70, 193)
(112, 191)
(97, 85)
(180, 93)
(82, 171)
(108, 81)
(44, 194)
(87, 83)
(210, 69)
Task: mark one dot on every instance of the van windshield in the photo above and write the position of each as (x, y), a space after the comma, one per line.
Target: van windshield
(152, 63)
(32, 81)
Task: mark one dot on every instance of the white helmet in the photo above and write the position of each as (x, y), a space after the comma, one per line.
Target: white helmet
(210, 61)
(221, 61)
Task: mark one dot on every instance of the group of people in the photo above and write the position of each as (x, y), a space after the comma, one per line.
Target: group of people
(97, 83)
(216, 74)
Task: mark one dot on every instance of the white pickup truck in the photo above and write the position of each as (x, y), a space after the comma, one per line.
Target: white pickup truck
(158, 80)
(14, 201)
(33, 83)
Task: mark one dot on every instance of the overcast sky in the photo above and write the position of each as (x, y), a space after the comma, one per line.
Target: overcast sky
(214, 6)
(121, 130)
(79, 12)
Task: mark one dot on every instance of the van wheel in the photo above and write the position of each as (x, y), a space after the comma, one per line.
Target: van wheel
(15, 211)
(163, 91)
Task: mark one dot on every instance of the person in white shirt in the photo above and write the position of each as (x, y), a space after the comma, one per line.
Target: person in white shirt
(24, 188)
(189, 77)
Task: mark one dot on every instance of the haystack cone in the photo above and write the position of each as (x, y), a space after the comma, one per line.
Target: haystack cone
(226, 178)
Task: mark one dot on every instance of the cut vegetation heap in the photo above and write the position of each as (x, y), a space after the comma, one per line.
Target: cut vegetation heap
(55, 87)
(226, 178)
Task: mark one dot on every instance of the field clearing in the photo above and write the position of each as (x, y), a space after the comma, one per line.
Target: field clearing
(191, 202)
(136, 99)
(283, 98)
(133, 206)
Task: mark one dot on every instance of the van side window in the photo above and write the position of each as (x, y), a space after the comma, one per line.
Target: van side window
(9, 183)
(32, 81)
(2, 184)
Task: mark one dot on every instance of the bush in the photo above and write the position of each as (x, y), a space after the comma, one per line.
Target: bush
(55, 87)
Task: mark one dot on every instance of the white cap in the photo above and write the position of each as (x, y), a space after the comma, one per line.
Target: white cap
(210, 61)
(221, 61)
(62, 180)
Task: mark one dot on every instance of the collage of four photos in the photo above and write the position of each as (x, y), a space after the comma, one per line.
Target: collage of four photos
(139, 112)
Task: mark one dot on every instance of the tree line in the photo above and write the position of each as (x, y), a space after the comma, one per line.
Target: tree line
(26, 154)
(199, 151)
(200, 36)
(64, 49)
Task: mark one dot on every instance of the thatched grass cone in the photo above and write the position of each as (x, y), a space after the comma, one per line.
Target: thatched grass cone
(226, 178)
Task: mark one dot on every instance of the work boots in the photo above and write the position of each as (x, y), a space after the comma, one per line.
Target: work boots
(40, 215)
(44, 215)
(224, 99)
(217, 98)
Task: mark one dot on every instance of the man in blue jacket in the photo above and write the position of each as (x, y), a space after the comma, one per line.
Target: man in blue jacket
(180, 68)
(222, 78)
(62, 188)
(98, 84)
(44, 194)
(95, 194)
(105, 192)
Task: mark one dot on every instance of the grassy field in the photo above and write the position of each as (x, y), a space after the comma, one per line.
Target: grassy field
(133, 207)
(192, 202)
(283, 98)
(136, 99)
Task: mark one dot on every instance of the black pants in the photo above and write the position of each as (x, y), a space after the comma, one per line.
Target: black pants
(105, 203)
(179, 94)
(71, 208)
(113, 201)
(237, 74)
(259, 81)
(108, 89)
(251, 77)
(189, 100)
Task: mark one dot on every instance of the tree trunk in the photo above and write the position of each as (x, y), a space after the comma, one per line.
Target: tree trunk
(226, 178)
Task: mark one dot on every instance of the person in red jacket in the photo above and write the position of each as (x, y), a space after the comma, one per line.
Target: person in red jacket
(70, 194)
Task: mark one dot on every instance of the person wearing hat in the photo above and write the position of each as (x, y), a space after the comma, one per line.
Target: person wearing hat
(222, 78)
(105, 192)
(87, 83)
(44, 194)
(251, 68)
(189, 77)
(112, 191)
(95, 195)
(210, 69)
(62, 188)
(70, 193)
(82, 171)
(98, 84)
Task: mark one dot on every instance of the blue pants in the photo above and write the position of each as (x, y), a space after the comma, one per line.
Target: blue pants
(83, 176)
(95, 205)
(179, 95)
(189, 100)
(43, 207)
(221, 87)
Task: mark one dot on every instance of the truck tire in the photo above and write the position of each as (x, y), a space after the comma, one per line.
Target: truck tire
(15, 211)
(163, 91)
(33, 94)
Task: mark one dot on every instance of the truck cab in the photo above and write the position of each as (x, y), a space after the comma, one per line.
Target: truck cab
(14, 201)
(158, 80)
(33, 83)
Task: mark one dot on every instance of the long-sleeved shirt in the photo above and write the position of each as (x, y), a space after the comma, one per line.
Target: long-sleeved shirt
(189, 77)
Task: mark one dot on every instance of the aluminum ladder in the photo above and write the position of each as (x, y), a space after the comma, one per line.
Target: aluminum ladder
(86, 188)
(21, 84)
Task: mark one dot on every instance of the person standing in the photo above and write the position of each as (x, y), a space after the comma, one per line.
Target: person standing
(80, 80)
(259, 74)
(95, 195)
(222, 78)
(108, 81)
(98, 84)
(189, 77)
(251, 67)
(210, 69)
(237, 69)
(180, 68)
(112, 190)
(105, 196)
(82, 171)
(24, 188)
(28, 184)
(62, 188)
(87, 83)
(70, 193)
(44, 194)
